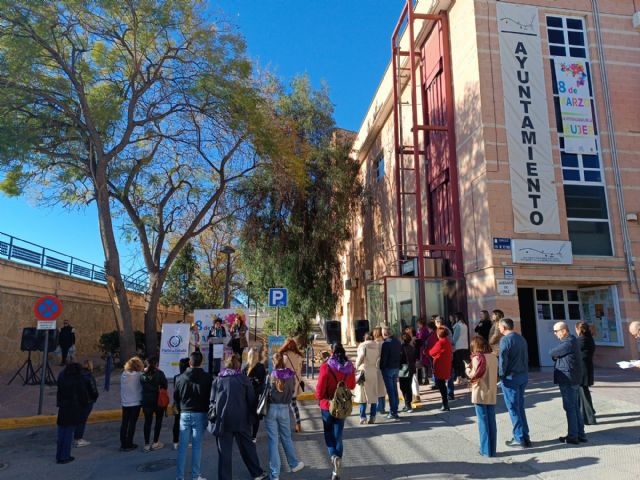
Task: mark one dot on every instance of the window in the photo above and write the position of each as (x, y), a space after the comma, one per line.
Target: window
(558, 304)
(380, 167)
(582, 174)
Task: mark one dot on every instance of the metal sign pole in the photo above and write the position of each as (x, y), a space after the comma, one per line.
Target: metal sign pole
(44, 370)
(277, 320)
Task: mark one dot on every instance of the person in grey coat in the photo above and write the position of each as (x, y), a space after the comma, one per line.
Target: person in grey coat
(567, 374)
(232, 410)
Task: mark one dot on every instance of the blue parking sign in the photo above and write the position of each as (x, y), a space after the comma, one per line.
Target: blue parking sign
(278, 297)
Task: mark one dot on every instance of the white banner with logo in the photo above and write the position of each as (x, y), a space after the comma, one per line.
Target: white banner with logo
(174, 345)
(573, 87)
(549, 252)
(533, 190)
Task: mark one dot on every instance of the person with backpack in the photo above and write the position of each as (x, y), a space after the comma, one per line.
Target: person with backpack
(92, 388)
(257, 373)
(153, 380)
(282, 383)
(335, 382)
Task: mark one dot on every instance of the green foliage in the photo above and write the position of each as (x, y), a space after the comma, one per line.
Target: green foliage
(181, 287)
(110, 343)
(295, 231)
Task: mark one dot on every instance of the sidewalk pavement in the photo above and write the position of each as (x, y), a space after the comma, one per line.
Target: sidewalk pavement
(426, 444)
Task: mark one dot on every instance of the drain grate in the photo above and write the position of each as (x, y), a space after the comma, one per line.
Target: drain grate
(156, 466)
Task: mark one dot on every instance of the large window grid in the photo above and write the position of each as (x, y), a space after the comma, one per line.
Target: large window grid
(583, 177)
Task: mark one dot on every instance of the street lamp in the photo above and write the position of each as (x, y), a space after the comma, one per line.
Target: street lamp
(227, 250)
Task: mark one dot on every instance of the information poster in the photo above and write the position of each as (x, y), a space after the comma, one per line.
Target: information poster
(572, 82)
(274, 343)
(174, 345)
(600, 311)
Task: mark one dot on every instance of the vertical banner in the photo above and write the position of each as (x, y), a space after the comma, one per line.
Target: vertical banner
(174, 345)
(533, 191)
(573, 86)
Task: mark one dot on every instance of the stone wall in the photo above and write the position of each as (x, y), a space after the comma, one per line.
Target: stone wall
(85, 304)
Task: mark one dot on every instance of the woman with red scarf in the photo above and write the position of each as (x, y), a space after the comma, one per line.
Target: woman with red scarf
(482, 373)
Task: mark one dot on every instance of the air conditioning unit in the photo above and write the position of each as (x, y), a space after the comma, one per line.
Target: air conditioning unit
(351, 284)
(367, 275)
(636, 21)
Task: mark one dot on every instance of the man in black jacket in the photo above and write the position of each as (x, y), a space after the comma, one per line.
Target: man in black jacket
(66, 339)
(390, 366)
(191, 395)
(567, 374)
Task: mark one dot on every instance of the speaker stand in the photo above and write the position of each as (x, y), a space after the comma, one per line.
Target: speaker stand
(30, 377)
(49, 378)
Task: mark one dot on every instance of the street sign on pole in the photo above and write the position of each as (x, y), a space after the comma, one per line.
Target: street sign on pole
(278, 297)
(47, 309)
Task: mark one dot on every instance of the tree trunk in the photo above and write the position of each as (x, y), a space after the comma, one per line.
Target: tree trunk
(151, 314)
(115, 284)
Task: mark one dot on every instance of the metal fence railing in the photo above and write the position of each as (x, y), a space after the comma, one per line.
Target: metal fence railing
(23, 251)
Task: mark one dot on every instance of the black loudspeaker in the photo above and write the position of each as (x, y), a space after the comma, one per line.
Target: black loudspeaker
(53, 340)
(29, 341)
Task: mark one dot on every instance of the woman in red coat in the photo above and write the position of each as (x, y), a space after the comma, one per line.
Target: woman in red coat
(442, 358)
(337, 369)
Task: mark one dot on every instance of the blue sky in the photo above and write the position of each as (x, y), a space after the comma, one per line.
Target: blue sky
(345, 43)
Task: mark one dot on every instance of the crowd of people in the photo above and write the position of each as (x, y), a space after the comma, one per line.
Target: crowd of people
(232, 404)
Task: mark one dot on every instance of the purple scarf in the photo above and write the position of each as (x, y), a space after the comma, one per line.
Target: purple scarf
(344, 368)
(282, 373)
(229, 372)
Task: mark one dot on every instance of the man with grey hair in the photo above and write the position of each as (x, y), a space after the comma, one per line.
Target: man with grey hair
(390, 367)
(567, 374)
(513, 369)
(634, 329)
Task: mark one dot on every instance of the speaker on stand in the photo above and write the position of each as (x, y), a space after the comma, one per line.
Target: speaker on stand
(28, 343)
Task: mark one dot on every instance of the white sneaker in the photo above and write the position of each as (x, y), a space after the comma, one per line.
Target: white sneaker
(199, 477)
(81, 443)
(157, 446)
(336, 461)
(298, 467)
(175, 446)
(146, 448)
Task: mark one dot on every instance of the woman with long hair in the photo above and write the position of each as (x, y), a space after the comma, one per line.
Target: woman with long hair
(378, 338)
(337, 369)
(587, 350)
(283, 384)
(152, 380)
(293, 358)
(257, 373)
(482, 372)
(131, 399)
(407, 371)
(442, 358)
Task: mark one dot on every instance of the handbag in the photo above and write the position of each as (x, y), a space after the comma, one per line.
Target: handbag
(360, 377)
(300, 382)
(404, 371)
(163, 398)
(263, 401)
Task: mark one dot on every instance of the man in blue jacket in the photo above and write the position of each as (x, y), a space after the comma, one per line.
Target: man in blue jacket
(567, 374)
(513, 369)
(390, 367)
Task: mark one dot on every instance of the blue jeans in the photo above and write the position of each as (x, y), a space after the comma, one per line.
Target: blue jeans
(278, 424)
(380, 406)
(65, 437)
(570, 394)
(332, 433)
(390, 377)
(363, 410)
(513, 393)
(450, 385)
(487, 427)
(192, 425)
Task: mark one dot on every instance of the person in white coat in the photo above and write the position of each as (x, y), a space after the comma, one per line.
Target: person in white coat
(369, 390)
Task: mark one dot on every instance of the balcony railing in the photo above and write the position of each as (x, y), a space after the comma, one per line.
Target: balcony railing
(23, 251)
